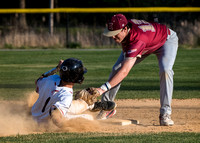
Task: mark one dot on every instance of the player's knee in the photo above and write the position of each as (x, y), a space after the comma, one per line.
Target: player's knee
(168, 72)
(56, 117)
(166, 75)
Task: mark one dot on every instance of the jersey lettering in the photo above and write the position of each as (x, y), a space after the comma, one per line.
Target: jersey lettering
(146, 28)
(138, 22)
(144, 25)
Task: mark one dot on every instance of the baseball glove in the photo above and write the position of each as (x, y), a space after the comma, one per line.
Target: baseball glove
(89, 95)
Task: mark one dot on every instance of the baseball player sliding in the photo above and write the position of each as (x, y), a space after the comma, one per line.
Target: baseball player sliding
(55, 99)
(139, 39)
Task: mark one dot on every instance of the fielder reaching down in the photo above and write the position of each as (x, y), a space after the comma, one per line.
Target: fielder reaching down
(56, 95)
(139, 39)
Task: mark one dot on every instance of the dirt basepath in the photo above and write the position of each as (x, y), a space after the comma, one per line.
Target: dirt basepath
(186, 115)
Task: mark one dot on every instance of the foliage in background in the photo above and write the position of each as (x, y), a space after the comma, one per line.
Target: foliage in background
(83, 37)
(22, 31)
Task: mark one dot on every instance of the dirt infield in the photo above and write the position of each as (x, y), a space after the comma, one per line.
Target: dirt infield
(14, 118)
(186, 115)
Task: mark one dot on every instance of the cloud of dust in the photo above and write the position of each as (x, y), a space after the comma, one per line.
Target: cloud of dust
(15, 118)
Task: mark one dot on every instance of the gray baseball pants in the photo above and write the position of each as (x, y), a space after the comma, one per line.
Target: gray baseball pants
(166, 56)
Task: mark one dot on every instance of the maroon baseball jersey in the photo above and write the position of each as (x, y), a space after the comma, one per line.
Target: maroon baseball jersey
(144, 38)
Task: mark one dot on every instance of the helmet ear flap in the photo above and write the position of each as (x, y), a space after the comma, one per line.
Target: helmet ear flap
(80, 79)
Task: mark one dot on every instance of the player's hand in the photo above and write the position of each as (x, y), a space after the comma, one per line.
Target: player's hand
(101, 91)
(60, 63)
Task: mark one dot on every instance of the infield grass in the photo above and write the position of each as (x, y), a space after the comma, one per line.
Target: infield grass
(104, 138)
(19, 69)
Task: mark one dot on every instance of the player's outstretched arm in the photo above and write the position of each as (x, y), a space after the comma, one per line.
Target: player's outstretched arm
(119, 76)
(50, 72)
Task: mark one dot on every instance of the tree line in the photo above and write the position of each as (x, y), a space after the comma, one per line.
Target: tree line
(186, 23)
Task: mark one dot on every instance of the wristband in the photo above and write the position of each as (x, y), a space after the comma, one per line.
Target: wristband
(106, 86)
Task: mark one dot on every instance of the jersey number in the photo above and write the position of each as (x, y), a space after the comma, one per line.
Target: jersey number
(47, 101)
(144, 25)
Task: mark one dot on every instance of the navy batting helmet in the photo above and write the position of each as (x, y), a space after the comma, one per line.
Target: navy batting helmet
(72, 70)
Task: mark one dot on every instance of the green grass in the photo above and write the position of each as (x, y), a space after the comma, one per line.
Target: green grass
(105, 138)
(20, 68)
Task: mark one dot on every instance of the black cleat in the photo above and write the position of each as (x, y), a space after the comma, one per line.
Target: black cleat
(106, 106)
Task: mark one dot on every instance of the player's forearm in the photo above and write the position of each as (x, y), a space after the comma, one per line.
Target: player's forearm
(115, 80)
(119, 76)
(48, 73)
(51, 72)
